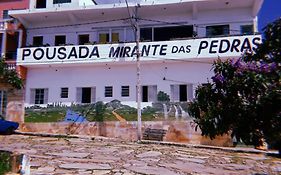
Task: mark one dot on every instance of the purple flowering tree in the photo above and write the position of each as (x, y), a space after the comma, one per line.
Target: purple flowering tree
(244, 96)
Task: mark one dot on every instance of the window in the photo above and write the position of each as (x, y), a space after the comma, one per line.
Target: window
(247, 29)
(146, 34)
(149, 93)
(182, 92)
(39, 96)
(103, 38)
(5, 14)
(108, 91)
(37, 41)
(64, 93)
(3, 102)
(125, 91)
(174, 32)
(83, 39)
(41, 4)
(60, 40)
(61, 1)
(217, 30)
(86, 94)
(115, 37)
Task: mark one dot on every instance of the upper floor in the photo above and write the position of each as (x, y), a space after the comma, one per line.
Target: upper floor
(72, 22)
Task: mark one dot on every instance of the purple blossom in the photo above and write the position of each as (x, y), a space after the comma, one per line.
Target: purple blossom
(218, 78)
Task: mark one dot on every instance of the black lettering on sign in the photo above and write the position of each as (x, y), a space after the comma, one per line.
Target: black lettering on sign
(86, 52)
(213, 45)
(145, 50)
(256, 42)
(235, 45)
(95, 52)
(72, 53)
(155, 48)
(175, 49)
(25, 53)
(134, 52)
(224, 46)
(48, 52)
(246, 45)
(188, 50)
(61, 53)
(127, 49)
(163, 49)
(114, 53)
(203, 45)
(38, 54)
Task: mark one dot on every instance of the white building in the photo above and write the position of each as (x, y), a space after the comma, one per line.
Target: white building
(81, 53)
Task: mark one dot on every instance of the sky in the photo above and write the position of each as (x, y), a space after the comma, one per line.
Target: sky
(270, 11)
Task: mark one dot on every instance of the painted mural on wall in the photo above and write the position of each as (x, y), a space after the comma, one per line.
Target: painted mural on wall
(111, 111)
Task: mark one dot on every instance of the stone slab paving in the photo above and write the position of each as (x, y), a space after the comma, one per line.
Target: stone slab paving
(84, 156)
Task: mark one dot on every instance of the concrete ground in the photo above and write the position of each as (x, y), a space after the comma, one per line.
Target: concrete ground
(63, 155)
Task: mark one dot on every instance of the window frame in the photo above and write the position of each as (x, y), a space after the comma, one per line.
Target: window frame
(211, 30)
(64, 94)
(40, 94)
(61, 1)
(108, 91)
(40, 44)
(56, 42)
(243, 27)
(125, 91)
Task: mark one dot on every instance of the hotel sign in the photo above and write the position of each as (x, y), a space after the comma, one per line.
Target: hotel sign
(180, 49)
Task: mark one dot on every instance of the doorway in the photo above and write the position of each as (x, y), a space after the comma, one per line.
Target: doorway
(183, 93)
(86, 95)
(144, 93)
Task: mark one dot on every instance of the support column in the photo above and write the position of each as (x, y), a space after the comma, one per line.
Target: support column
(4, 42)
(20, 38)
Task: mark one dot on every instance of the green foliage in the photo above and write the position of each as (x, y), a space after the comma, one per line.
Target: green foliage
(5, 165)
(100, 111)
(244, 97)
(163, 97)
(9, 76)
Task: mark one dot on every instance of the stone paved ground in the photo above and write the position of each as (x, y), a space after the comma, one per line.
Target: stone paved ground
(85, 156)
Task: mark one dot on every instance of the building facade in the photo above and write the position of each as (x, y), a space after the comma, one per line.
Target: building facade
(78, 52)
(12, 37)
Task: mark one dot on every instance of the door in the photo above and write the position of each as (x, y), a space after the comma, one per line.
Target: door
(144, 93)
(183, 92)
(86, 95)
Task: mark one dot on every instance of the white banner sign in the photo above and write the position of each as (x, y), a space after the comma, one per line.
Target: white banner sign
(180, 49)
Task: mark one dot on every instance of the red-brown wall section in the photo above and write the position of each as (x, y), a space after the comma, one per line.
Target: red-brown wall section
(13, 5)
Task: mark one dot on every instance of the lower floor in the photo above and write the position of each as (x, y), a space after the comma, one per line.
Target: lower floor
(11, 102)
(107, 82)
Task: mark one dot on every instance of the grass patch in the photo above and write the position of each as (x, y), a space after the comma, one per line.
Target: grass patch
(5, 162)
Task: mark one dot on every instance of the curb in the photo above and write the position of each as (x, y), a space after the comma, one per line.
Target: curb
(186, 145)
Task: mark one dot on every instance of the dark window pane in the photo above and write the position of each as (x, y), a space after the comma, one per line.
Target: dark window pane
(37, 41)
(170, 33)
(108, 91)
(61, 1)
(60, 40)
(217, 30)
(41, 4)
(146, 34)
(83, 39)
(247, 29)
(64, 93)
(125, 91)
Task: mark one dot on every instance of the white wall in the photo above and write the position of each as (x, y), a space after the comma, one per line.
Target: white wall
(116, 76)
(235, 18)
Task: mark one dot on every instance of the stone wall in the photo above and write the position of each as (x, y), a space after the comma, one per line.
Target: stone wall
(177, 131)
(15, 102)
